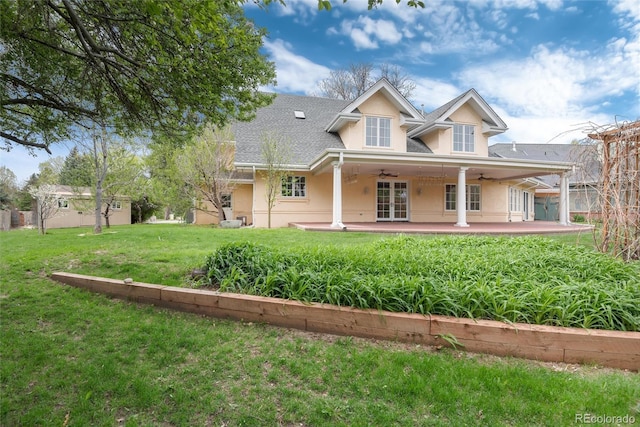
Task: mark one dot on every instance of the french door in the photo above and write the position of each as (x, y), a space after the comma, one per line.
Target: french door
(392, 201)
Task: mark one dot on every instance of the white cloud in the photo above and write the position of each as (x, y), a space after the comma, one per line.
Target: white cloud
(631, 8)
(528, 4)
(295, 73)
(560, 82)
(455, 29)
(362, 40)
(547, 129)
(365, 32)
(432, 93)
(302, 10)
(546, 83)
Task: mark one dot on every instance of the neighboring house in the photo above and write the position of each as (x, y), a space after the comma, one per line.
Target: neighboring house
(583, 181)
(378, 158)
(76, 208)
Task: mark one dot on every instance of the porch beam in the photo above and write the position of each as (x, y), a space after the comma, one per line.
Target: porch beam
(461, 197)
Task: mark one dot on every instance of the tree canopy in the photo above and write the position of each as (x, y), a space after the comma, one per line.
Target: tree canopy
(77, 170)
(168, 65)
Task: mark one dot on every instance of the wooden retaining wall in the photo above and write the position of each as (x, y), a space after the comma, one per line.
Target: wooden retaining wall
(546, 343)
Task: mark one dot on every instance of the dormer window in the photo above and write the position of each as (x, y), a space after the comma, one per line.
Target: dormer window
(378, 132)
(464, 138)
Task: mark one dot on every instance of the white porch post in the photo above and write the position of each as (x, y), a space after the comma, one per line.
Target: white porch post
(337, 194)
(564, 199)
(461, 198)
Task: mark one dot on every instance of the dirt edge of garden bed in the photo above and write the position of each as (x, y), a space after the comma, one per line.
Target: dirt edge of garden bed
(613, 349)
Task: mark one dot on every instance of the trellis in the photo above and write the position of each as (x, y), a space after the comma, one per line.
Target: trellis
(619, 189)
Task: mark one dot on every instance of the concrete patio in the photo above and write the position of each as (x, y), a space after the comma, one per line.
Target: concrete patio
(509, 228)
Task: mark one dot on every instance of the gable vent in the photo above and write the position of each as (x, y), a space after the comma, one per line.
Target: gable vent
(299, 114)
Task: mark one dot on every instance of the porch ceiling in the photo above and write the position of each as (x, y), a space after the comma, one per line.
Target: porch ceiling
(412, 166)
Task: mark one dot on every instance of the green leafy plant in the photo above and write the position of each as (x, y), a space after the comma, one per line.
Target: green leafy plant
(527, 280)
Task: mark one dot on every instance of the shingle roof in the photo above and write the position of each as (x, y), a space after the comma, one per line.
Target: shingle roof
(582, 154)
(415, 145)
(435, 114)
(307, 137)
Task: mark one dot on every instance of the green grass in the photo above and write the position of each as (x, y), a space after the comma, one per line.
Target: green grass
(67, 354)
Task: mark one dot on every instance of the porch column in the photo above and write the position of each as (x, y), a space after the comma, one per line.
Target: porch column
(564, 199)
(337, 194)
(461, 198)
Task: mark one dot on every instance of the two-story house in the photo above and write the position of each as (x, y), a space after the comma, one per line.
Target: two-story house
(378, 158)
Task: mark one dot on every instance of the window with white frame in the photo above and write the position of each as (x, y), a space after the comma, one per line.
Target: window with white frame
(116, 205)
(294, 186)
(378, 132)
(450, 197)
(226, 200)
(464, 138)
(472, 197)
(515, 195)
(63, 204)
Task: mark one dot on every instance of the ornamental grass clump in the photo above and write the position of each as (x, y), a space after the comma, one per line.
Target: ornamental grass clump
(528, 279)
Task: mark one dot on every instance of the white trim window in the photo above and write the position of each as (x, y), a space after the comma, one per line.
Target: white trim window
(450, 197)
(378, 132)
(63, 203)
(472, 197)
(515, 195)
(464, 138)
(226, 200)
(294, 186)
(116, 205)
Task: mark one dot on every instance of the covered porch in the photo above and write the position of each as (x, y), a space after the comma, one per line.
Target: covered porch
(485, 228)
(397, 172)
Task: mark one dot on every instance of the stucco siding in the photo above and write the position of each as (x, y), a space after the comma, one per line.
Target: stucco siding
(316, 206)
(81, 213)
(353, 135)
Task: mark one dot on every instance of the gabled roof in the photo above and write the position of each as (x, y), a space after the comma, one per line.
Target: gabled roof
(307, 137)
(492, 124)
(409, 115)
(310, 124)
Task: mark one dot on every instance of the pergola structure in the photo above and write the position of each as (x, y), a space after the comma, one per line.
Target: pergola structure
(620, 189)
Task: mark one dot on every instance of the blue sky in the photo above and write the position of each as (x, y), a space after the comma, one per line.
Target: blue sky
(549, 68)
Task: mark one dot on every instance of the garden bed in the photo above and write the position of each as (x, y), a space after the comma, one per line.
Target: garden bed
(546, 343)
(529, 280)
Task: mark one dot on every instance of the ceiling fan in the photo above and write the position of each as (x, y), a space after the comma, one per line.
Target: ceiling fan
(483, 178)
(384, 174)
